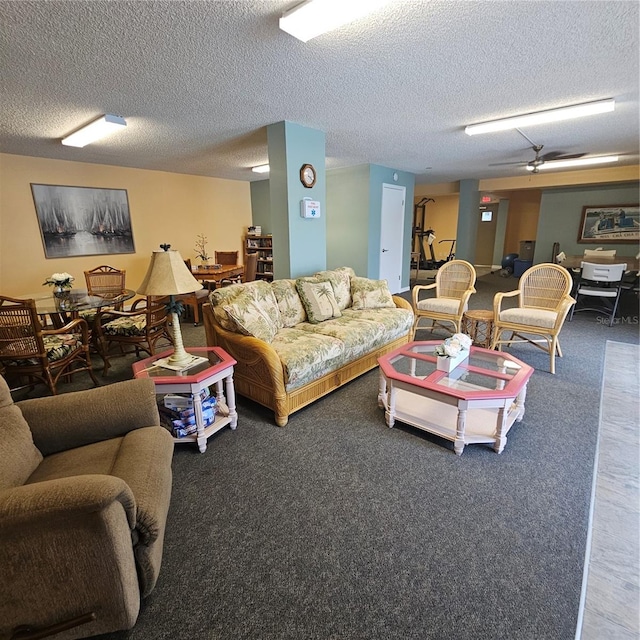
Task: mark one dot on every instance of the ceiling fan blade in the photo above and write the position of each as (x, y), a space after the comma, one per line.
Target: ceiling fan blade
(561, 155)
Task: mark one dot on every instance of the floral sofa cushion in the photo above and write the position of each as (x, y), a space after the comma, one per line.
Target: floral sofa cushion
(56, 347)
(251, 317)
(370, 294)
(291, 308)
(259, 291)
(318, 299)
(306, 355)
(126, 326)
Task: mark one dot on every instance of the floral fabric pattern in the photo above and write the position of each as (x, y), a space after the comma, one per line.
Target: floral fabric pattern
(318, 299)
(393, 322)
(56, 347)
(306, 355)
(259, 291)
(370, 294)
(340, 280)
(359, 336)
(251, 318)
(291, 308)
(126, 326)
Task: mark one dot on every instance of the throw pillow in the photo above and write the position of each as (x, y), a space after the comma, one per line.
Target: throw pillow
(340, 280)
(250, 318)
(291, 309)
(370, 294)
(318, 299)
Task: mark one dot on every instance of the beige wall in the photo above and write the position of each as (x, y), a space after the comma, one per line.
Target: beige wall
(164, 207)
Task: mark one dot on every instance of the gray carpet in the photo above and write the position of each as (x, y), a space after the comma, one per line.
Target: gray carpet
(338, 527)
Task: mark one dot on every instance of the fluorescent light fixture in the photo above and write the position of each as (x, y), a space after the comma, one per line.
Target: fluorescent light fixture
(261, 168)
(103, 126)
(312, 18)
(579, 162)
(541, 117)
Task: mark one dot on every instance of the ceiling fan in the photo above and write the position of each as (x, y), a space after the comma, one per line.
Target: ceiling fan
(539, 159)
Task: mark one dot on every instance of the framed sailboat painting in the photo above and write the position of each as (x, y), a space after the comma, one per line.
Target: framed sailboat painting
(82, 221)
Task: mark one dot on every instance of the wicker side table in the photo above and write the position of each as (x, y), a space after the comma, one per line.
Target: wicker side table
(478, 325)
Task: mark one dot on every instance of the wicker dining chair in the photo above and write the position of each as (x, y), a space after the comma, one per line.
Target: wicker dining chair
(142, 327)
(453, 287)
(543, 302)
(27, 351)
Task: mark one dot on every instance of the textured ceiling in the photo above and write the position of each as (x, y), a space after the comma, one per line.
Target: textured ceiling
(198, 82)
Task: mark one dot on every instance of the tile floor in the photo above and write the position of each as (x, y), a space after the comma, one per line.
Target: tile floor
(610, 604)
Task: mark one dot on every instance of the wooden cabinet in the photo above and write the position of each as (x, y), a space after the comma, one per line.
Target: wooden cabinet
(263, 246)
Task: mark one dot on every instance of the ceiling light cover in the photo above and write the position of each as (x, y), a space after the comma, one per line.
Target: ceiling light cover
(315, 17)
(261, 168)
(103, 126)
(541, 117)
(581, 162)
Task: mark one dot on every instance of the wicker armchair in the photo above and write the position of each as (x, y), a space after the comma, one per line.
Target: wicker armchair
(453, 287)
(142, 327)
(543, 305)
(27, 351)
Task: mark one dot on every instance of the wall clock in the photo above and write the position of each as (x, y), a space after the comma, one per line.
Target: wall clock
(307, 175)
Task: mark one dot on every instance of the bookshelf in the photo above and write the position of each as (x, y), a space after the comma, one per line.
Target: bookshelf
(263, 246)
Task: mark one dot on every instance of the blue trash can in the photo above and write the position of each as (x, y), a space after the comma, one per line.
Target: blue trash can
(520, 266)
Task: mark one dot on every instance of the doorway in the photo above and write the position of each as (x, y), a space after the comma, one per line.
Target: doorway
(486, 234)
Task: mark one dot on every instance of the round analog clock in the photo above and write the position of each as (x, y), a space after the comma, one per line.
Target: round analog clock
(307, 175)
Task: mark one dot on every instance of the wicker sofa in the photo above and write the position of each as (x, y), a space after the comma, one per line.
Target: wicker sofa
(297, 340)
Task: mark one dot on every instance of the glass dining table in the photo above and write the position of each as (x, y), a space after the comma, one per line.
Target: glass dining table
(62, 307)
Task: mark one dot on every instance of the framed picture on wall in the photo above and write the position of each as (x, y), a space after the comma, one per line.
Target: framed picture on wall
(82, 221)
(616, 223)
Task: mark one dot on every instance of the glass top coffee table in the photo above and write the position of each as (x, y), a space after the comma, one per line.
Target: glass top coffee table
(477, 402)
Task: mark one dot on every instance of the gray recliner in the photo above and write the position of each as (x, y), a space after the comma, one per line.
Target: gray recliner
(85, 485)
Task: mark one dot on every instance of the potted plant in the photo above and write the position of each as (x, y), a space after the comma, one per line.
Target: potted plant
(201, 248)
(452, 352)
(61, 282)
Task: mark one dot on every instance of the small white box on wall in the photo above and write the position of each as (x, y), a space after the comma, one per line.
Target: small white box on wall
(309, 208)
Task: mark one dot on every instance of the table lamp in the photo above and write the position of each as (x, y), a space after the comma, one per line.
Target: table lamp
(168, 276)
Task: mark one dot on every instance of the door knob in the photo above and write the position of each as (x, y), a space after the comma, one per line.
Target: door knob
(383, 251)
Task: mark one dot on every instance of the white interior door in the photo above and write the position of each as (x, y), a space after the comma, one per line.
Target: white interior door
(391, 233)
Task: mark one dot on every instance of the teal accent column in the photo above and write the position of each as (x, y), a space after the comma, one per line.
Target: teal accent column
(467, 220)
(501, 231)
(299, 244)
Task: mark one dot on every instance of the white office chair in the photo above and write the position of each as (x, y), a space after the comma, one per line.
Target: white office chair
(599, 289)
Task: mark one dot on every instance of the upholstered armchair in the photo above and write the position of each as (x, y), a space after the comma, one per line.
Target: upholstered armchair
(543, 302)
(85, 484)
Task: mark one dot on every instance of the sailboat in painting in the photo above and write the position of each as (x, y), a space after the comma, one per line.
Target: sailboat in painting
(110, 219)
(56, 222)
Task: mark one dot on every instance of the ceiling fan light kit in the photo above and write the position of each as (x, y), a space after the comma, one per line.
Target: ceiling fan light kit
(541, 117)
(96, 130)
(312, 18)
(563, 164)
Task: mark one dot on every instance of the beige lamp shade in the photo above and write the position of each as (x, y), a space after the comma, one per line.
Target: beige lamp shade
(168, 276)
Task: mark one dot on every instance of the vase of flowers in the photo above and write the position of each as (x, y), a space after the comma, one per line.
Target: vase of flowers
(453, 352)
(201, 248)
(61, 283)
